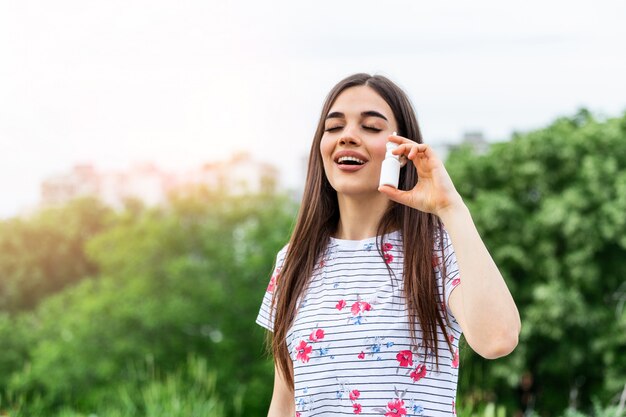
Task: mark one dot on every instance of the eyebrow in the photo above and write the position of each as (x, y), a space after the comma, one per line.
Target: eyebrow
(369, 113)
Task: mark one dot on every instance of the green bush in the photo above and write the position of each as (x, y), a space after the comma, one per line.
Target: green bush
(188, 392)
(550, 207)
(184, 279)
(45, 253)
(494, 410)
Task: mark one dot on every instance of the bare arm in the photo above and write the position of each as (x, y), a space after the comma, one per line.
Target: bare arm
(282, 404)
(482, 303)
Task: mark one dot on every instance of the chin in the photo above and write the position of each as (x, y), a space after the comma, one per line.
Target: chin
(354, 190)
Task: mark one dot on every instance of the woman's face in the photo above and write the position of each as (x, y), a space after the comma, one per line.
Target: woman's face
(353, 145)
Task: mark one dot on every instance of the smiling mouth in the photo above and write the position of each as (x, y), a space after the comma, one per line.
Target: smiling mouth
(350, 160)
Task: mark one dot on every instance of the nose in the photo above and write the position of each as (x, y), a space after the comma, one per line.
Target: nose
(345, 140)
(349, 138)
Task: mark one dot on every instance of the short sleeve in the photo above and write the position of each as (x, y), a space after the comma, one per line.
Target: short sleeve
(452, 277)
(264, 318)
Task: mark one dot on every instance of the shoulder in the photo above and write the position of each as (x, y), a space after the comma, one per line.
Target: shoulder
(280, 258)
(281, 255)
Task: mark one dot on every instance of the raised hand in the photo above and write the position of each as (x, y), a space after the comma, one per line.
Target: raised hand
(434, 192)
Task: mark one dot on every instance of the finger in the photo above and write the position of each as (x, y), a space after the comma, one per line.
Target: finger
(403, 149)
(421, 150)
(408, 148)
(428, 152)
(400, 139)
(413, 151)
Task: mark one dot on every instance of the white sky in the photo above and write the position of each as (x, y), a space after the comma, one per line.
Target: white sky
(180, 83)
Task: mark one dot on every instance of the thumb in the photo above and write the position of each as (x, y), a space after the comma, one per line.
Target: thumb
(399, 196)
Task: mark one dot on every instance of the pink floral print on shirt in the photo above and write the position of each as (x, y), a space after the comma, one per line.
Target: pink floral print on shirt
(354, 394)
(360, 307)
(395, 408)
(272, 285)
(418, 373)
(340, 305)
(386, 255)
(358, 310)
(304, 350)
(405, 357)
(316, 335)
(455, 359)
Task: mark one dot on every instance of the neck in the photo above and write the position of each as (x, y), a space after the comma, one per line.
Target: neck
(359, 216)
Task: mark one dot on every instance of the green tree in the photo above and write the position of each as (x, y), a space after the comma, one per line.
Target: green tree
(43, 254)
(551, 207)
(172, 281)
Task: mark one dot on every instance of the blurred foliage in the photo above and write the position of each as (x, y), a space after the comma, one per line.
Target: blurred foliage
(188, 278)
(43, 254)
(494, 410)
(188, 392)
(551, 207)
(488, 410)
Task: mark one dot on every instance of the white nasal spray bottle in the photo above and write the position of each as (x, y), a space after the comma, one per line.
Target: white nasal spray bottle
(390, 169)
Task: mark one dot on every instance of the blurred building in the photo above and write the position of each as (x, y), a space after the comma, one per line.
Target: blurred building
(239, 175)
(146, 182)
(475, 139)
(81, 181)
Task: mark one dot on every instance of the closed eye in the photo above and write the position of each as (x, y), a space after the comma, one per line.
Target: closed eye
(332, 129)
(375, 129)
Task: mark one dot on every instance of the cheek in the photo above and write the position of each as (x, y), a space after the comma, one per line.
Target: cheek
(326, 148)
(379, 149)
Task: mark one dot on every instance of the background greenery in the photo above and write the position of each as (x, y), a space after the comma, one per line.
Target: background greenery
(150, 311)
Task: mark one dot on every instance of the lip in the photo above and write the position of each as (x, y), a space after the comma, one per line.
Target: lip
(349, 168)
(349, 153)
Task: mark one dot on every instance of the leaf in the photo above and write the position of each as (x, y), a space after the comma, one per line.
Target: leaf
(402, 394)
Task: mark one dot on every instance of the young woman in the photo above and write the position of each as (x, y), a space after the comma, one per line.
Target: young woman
(368, 300)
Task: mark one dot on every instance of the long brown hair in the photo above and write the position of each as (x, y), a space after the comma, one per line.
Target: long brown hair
(318, 218)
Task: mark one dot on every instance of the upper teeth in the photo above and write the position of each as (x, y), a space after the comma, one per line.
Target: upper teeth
(350, 158)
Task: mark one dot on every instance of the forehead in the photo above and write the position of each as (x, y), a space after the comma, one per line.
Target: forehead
(356, 100)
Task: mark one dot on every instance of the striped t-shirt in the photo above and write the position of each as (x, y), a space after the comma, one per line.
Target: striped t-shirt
(350, 343)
